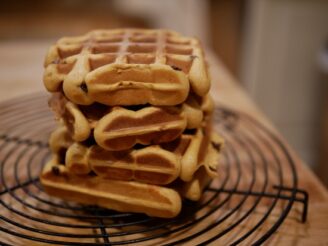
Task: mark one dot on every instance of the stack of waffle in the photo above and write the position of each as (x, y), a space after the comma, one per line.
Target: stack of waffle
(134, 121)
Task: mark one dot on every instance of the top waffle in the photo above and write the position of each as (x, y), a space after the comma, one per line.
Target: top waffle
(127, 67)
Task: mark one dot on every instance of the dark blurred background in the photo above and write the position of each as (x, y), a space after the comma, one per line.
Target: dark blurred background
(277, 50)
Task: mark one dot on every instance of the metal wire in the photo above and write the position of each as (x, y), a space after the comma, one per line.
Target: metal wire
(257, 187)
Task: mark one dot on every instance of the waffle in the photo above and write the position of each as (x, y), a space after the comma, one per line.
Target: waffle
(118, 128)
(191, 147)
(156, 164)
(59, 179)
(76, 159)
(123, 196)
(60, 140)
(197, 110)
(66, 152)
(149, 165)
(127, 67)
(193, 190)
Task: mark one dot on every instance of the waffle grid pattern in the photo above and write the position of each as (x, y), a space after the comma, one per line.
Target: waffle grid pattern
(72, 61)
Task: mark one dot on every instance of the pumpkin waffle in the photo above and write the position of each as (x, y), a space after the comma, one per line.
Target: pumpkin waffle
(67, 152)
(127, 67)
(63, 181)
(60, 140)
(149, 165)
(118, 128)
(123, 196)
(193, 189)
(155, 164)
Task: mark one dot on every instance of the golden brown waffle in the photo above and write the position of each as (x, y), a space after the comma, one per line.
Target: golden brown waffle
(197, 110)
(191, 147)
(159, 164)
(127, 67)
(76, 159)
(155, 164)
(123, 128)
(66, 152)
(151, 164)
(68, 175)
(124, 196)
(193, 190)
(60, 140)
(117, 128)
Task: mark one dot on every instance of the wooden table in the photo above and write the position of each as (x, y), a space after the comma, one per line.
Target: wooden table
(21, 72)
(314, 232)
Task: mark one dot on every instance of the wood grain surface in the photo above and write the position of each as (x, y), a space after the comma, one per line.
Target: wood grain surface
(21, 73)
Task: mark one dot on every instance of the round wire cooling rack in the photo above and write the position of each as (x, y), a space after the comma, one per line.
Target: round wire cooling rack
(255, 192)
